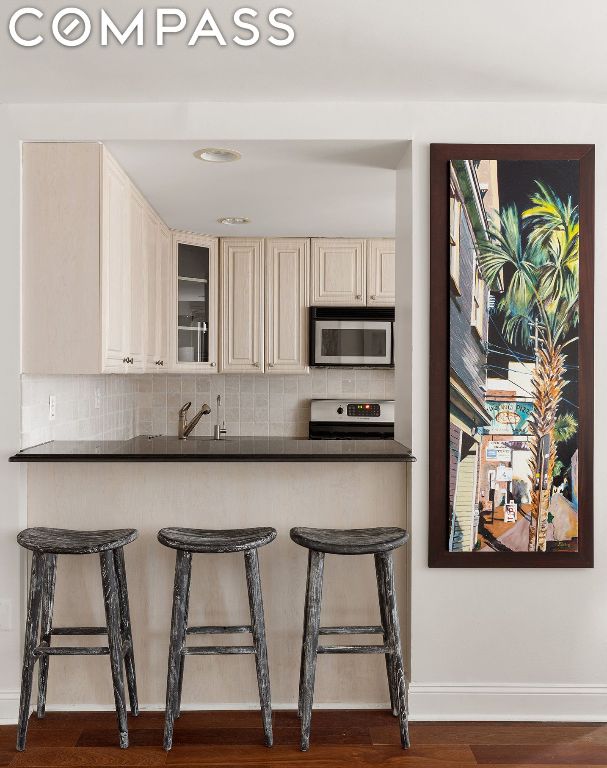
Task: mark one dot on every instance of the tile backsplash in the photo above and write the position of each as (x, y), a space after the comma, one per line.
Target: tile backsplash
(119, 407)
(87, 408)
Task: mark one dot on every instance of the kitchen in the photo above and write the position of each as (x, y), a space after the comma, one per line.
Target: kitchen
(139, 331)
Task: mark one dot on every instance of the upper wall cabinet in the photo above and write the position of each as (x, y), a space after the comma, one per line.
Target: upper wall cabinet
(381, 277)
(338, 272)
(194, 313)
(90, 242)
(353, 273)
(286, 317)
(241, 306)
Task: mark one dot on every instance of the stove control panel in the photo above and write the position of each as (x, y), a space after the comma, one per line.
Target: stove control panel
(352, 411)
(364, 409)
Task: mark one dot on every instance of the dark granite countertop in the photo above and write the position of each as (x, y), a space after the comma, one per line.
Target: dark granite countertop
(243, 449)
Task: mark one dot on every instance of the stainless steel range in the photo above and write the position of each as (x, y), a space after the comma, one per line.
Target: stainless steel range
(352, 420)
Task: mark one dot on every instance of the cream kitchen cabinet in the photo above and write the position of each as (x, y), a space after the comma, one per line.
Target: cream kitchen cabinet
(338, 272)
(194, 308)
(241, 305)
(287, 269)
(381, 277)
(87, 239)
(160, 360)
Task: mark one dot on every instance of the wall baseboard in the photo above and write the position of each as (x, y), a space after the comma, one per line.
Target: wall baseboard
(9, 707)
(432, 702)
(558, 703)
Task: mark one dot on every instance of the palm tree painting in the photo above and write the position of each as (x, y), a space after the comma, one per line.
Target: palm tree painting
(515, 249)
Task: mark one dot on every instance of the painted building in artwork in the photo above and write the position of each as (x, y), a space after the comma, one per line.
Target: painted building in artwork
(473, 191)
(504, 473)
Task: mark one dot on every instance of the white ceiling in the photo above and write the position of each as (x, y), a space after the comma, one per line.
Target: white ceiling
(351, 50)
(286, 188)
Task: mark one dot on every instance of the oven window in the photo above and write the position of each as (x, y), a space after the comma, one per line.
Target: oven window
(353, 342)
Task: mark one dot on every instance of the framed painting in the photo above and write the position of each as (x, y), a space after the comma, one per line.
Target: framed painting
(511, 355)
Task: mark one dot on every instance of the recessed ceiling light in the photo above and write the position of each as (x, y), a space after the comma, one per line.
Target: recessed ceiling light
(217, 155)
(234, 220)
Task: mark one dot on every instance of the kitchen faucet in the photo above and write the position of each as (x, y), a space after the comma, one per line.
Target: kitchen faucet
(220, 431)
(185, 427)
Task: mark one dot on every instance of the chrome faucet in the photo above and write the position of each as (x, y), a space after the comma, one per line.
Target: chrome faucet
(220, 431)
(186, 428)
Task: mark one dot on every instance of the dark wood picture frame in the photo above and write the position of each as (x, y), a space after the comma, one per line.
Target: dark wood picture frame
(439, 554)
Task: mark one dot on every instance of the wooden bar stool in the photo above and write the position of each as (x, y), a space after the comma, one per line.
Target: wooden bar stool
(364, 541)
(46, 544)
(189, 541)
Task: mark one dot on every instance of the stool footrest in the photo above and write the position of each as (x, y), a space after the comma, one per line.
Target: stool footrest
(45, 650)
(218, 630)
(353, 649)
(218, 650)
(77, 631)
(351, 631)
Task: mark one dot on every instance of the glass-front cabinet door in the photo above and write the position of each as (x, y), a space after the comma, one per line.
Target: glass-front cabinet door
(195, 291)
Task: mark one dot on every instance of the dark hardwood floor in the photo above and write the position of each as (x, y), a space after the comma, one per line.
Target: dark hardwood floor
(339, 738)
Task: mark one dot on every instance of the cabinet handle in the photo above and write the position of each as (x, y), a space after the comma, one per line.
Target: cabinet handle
(128, 360)
(159, 362)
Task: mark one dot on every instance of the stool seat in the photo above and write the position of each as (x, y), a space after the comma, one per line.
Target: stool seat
(59, 541)
(353, 541)
(216, 541)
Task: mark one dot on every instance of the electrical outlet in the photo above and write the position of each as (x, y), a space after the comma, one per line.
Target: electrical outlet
(97, 398)
(52, 408)
(6, 615)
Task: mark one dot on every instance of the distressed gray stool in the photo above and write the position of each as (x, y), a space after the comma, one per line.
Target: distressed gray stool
(46, 544)
(188, 541)
(363, 541)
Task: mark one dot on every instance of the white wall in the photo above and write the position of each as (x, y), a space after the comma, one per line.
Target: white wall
(511, 643)
(12, 504)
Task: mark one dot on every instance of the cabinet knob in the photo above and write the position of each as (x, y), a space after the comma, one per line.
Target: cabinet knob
(270, 365)
(372, 298)
(128, 360)
(256, 365)
(359, 297)
(212, 365)
(159, 362)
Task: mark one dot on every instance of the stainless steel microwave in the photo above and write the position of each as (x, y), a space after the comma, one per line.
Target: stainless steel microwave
(352, 337)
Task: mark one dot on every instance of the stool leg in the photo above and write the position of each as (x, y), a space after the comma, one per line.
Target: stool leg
(112, 617)
(394, 644)
(310, 641)
(384, 624)
(48, 599)
(251, 560)
(182, 656)
(125, 629)
(301, 665)
(183, 567)
(31, 637)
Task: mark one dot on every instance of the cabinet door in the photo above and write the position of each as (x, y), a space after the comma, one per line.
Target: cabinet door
(381, 277)
(138, 255)
(115, 267)
(241, 305)
(338, 272)
(194, 303)
(151, 227)
(163, 290)
(286, 298)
